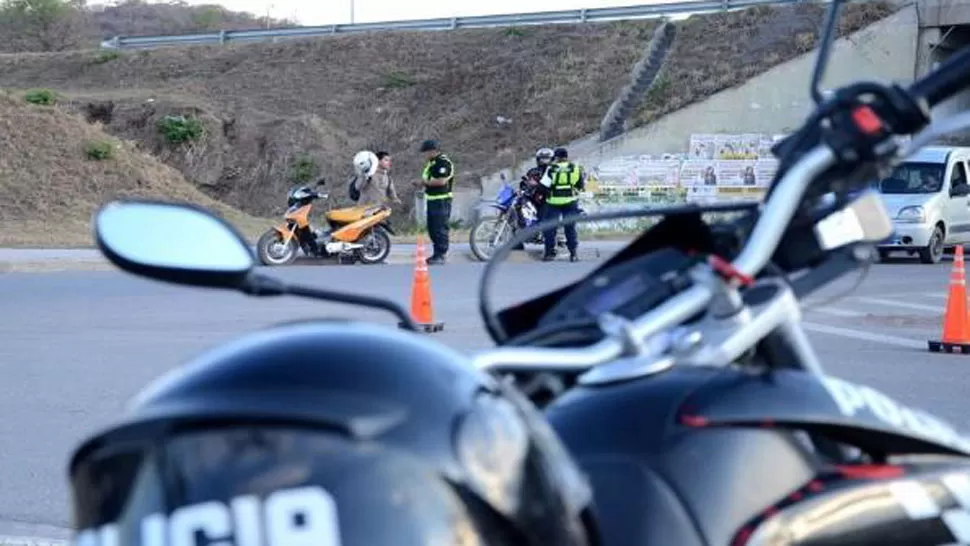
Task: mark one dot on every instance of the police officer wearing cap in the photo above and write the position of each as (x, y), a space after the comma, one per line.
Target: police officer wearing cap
(437, 178)
(565, 180)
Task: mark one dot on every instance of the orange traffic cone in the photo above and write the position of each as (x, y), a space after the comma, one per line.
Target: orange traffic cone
(421, 311)
(956, 327)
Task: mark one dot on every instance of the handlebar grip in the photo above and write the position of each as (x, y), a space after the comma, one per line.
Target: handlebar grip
(947, 80)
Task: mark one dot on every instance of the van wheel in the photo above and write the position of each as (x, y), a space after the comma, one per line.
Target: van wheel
(933, 252)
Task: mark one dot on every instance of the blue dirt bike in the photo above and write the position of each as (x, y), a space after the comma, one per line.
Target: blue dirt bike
(516, 211)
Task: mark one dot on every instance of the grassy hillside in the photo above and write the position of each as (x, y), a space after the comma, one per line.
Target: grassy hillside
(274, 114)
(58, 25)
(56, 169)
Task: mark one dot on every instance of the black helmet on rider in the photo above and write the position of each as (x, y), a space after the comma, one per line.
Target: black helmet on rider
(329, 433)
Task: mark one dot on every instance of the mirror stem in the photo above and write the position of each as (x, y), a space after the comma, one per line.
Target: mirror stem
(262, 285)
(353, 299)
(824, 48)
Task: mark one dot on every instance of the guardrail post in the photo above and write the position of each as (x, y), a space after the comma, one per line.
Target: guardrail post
(582, 15)
(454, 23)
(222, 36)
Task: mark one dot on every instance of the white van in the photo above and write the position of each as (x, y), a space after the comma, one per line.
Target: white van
(928, 198)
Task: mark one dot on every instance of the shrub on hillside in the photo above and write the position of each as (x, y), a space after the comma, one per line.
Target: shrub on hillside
(304, 169)
(100, 150)
(179, 129)
(44, 97)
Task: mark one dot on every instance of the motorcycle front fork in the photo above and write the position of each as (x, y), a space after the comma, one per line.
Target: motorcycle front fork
(311, 240)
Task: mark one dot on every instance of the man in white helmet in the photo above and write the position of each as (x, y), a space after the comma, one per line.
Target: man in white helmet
(373, 183)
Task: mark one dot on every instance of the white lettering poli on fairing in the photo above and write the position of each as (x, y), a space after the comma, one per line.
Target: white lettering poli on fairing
(304, 516)
(852, 398)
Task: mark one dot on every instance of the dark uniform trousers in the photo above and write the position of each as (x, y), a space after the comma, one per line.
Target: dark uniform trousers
(439, 214)
(555, 212)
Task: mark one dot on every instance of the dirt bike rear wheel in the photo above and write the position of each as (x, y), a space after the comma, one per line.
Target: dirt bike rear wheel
(272, 251)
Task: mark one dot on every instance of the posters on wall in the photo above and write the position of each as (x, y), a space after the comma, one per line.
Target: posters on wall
(716, 168)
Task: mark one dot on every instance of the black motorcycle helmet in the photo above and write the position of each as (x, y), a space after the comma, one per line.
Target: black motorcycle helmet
(327, 434)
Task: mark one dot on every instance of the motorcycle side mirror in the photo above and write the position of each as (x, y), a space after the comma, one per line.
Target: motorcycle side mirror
(187, 244)
(178, 243)
(321, 182)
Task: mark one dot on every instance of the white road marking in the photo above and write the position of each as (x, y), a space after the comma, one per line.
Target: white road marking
(904, 304)
(863, 335)
(836, 312)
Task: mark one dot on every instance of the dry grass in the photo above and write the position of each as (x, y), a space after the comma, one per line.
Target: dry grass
(266, 105)
(51, 187)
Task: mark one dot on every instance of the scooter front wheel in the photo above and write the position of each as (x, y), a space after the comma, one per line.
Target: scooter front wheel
(273, 251)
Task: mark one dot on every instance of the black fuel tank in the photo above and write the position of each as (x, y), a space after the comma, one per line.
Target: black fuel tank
(657, 481)
(705, 457)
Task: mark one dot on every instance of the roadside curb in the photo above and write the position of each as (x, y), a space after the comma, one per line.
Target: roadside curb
(397, 257)
(518, 256)
(52, 266)
(31, 541)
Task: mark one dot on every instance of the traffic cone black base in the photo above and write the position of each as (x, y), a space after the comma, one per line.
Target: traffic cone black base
(427, 328)
(942, 347)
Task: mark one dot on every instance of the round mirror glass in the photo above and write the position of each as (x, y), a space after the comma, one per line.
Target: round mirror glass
(172, 236)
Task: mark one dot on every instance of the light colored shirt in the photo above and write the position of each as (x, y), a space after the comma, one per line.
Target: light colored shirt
(377, 189)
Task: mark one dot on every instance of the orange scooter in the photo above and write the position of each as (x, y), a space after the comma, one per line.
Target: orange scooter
(359, 233)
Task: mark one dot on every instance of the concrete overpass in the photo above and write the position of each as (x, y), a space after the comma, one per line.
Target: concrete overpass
(943, 28)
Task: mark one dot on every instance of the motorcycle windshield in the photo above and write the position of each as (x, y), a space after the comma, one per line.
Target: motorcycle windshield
(528, 264)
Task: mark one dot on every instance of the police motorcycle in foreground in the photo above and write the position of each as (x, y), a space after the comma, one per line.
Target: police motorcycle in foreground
(358, 233)
(677, 373)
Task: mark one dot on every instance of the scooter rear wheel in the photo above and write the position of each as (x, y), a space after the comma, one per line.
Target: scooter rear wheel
(377, 246)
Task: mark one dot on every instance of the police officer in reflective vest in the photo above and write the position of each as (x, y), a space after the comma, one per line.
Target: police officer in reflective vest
(565, 180)
(438, 177)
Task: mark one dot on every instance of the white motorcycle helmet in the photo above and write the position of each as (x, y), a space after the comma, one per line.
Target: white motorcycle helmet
(365, 163)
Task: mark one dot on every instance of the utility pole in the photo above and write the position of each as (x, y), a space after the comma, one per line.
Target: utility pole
(351, 11)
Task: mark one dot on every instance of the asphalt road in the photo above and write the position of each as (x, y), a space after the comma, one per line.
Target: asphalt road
(76, 345)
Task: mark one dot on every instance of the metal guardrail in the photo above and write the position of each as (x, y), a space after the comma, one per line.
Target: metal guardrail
(479, 21)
